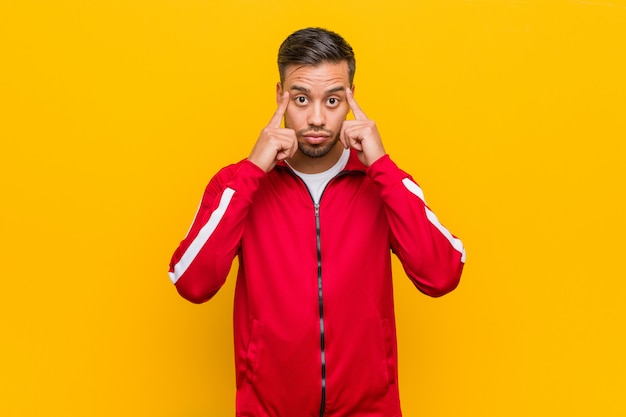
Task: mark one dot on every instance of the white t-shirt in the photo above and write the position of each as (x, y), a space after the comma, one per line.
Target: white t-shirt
(317, 182)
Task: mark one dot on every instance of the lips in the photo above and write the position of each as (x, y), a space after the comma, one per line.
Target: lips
(315, 138)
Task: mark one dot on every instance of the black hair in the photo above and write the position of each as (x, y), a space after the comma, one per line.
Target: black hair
(314, 46)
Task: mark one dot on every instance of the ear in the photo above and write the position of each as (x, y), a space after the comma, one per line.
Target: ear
(352, 89)
(279, 92)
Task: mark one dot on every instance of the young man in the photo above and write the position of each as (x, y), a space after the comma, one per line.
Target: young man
(313, 215)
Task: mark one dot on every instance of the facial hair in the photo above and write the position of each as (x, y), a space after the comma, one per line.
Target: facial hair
(320, 150)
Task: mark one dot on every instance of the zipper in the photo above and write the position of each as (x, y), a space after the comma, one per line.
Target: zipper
(320, 292)
(320, 300)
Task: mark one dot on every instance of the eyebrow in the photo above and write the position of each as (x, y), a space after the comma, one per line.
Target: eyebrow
(306, 90)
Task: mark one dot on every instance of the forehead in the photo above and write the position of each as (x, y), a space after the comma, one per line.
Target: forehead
(324, 75)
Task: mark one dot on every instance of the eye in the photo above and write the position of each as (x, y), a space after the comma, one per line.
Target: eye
(301, 100)
(333, 101)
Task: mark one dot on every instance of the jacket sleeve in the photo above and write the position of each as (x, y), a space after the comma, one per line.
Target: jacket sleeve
(203, 259)
(432, 257)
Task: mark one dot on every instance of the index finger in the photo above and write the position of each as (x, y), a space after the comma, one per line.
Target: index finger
(356, 110)
(277, 118)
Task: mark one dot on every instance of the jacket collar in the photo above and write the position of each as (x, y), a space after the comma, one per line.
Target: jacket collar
(353, 164)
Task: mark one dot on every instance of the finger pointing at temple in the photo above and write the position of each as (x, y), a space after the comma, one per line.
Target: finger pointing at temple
(356, 110)
(274, 143)
(277, 118)
(361, 134)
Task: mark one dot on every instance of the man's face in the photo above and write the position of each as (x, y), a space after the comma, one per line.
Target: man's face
(317, 106)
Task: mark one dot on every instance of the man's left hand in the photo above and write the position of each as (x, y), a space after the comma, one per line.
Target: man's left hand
(361, 134)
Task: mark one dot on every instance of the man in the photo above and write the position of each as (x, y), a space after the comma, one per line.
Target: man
(312, 215)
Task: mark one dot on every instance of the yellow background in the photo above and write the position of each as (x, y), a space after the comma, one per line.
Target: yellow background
(114, 115)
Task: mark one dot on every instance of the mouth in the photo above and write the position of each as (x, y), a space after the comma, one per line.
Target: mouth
(315, 138)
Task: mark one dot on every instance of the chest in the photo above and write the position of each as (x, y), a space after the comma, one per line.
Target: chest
(350, 206)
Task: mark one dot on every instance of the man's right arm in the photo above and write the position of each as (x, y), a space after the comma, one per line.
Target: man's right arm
(201, 262)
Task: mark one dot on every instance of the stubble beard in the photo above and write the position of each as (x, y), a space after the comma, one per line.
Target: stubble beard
(316, 151)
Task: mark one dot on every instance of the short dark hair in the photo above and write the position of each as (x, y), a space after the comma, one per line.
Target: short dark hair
(314, 46)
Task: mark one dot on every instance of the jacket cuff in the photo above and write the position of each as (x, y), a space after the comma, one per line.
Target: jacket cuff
(385, 172)
(247, 179)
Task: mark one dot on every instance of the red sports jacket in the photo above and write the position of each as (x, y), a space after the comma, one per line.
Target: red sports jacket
(314, 322)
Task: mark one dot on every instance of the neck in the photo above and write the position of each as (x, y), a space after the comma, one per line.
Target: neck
(307, 165)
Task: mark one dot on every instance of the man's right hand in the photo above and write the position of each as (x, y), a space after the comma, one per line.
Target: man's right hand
(274, 143)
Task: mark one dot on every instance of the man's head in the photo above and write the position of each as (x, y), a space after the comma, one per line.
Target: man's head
(316, 68)
(314, 46)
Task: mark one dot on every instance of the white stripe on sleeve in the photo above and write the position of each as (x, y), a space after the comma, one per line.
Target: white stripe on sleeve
(455, 242)
(204, 235)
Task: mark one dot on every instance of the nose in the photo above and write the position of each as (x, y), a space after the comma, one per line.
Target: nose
(316, 116)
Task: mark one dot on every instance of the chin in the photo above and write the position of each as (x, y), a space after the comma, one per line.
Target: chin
(316, 151)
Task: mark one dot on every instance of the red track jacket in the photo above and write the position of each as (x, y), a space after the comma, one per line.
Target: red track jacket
(314, 320)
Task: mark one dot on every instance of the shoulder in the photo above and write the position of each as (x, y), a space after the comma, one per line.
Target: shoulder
(223, 176)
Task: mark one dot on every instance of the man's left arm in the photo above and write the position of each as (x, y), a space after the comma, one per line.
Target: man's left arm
(432, 257)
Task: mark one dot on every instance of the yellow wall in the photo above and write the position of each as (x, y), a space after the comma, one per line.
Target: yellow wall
(114, 114)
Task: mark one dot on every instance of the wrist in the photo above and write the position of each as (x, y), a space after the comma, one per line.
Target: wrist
(260, 164)
(373, 157)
